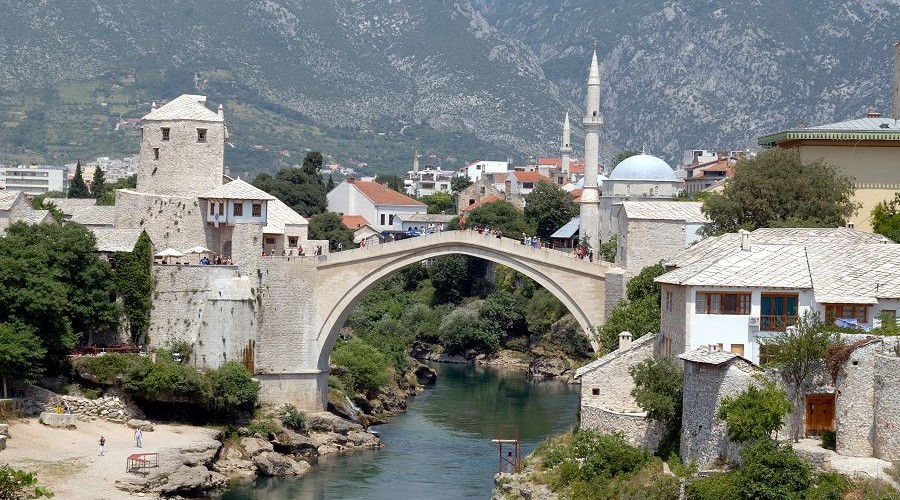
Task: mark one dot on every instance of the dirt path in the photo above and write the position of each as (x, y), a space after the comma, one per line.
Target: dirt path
(68, 462)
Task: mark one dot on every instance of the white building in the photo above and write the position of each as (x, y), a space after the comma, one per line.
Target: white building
(427, 182)
(737, 288)
(35, 180)
(640, 178)
(375, 203)
(475, 170)
(522, 183)
(422, 222)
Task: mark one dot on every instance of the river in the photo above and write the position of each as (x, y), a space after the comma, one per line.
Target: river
(441, 447)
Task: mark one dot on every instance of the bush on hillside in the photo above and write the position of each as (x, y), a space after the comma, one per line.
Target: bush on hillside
(366, 369)
(463, 329)
(232, 387)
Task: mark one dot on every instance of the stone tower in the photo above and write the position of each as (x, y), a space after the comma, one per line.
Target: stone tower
(895, 108)
(182, 148)
(565, 148)
(590, 196)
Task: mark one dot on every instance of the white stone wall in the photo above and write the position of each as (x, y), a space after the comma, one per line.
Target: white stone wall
(703, 435)
(855, 403)
(169, 221)
(615, 289)
(646, 242)
(185, 167)
(673, 325)
(887, 407)
(636, 427)
(613, 382)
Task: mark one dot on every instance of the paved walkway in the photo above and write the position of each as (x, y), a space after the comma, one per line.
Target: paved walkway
(849, 466)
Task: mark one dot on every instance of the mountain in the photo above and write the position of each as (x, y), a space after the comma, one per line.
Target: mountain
(685, 74)
(369, 81)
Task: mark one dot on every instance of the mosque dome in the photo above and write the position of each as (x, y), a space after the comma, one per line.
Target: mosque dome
(642, 168)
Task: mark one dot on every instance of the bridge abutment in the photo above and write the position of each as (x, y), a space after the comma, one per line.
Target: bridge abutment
(307, 391)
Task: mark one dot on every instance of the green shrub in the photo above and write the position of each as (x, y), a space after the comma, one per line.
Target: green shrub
(567, 336)
(263, 428)
(232, 387)
(366, 368)
(715, 487)
(827, 486)
(110, 368)
(166, 380)
(829, 440)
(606, 455)
(463, 329)
(20, 485)
(755, 413)
(293, 418)
(772, 471)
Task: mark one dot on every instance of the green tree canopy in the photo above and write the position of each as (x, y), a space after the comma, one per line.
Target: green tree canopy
(776, 189)
(548, 208)
(500, 215)
(297, 188)
(658, 390)
(755, 413)
(455, 276)
(108, 196)
(99, 184)
(312, 163)
(440, 203)
(328, 226)
(643, 285)
(394, 182)
(638, 317)
(459, 183)
(78, 188)
(886, 218)
(21, 355)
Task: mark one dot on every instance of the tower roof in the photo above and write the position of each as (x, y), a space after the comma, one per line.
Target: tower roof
(237, 190)
(185, 107)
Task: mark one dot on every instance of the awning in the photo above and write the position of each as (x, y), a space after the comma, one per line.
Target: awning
(568, 230)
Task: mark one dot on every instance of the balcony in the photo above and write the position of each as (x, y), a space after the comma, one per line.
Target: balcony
(776, 323)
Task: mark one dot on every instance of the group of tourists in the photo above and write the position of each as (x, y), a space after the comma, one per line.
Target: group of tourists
(488, 232)
(289, 252)
(580, 252)
(217, 260)
(532, 241)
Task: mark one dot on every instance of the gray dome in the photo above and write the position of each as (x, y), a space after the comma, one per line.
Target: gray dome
(642, 168)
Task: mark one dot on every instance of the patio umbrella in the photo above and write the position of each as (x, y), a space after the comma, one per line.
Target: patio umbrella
(170, 252)
(198, 249)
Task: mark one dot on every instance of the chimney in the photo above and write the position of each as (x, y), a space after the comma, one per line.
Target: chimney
(873, 114)
(624, 341)
(221, 112)
(895, 110)
(745, 239)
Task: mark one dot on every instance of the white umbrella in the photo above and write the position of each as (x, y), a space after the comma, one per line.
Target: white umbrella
(170, 252)
(198, 249)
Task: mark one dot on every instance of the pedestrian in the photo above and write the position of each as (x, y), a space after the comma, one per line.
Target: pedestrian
(138, 437)
(340, 246)
(102, 444)
(591, 255)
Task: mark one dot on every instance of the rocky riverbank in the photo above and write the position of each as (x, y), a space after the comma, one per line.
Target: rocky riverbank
(537, 365)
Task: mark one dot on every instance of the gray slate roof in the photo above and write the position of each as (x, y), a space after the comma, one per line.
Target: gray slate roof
(426, 218)
(116, 240)
(95, 215)
(68, 206)
(687, 211)
(278, 215)
(603, 360)
(569, 229)
(8, 198)
(867, 124)
(184, 107)
(238, 190)
(770, 266)
(711, 356)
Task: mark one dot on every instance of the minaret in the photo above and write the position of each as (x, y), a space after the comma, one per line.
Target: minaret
(590, 196)
(895, 109)
(565, 149)
(416, 161)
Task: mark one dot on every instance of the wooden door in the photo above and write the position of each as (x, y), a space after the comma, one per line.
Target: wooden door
(819, 413)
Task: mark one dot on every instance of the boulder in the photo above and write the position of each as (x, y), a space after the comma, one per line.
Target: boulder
(322, 421)
(294, 443)
(254, 446)
(547, 367)
(270, 463)
(142, 424)
(4, 429)
(191, 481)
(65, 420)
(233, 461)
(425, 375)
(340, 405)
(363, 439)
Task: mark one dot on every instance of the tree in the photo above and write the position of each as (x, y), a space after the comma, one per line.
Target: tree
(658, 384)
(330, 185)
(499, 215)
(312, 163)
(440, 203)
(98, 187)
(504, 312)
(776, 189)
(608, 249)
(77, 188)
(799, 353)
(328, 226)
(638, 317)
(134, 284)
(755, 413)
(20, 485)
(548, 207)
(297, 188)
(622, 155)
(886, 218)
(394, 182)
(454, 277)
(643, 285)
(463, 329)
(108, 196)
(366, 368)
(21, 354)
(459, 183)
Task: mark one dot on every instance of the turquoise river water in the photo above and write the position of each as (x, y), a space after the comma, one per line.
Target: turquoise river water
(441, 447)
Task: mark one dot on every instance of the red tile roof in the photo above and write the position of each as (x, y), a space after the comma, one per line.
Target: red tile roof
(577, 194)
(576, 167)
(557, 162)
(531, 177)
(354, 222)
(381, 195)
(487, 199)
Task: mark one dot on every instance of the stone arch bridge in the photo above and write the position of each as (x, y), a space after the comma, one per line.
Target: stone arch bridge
(282, 315)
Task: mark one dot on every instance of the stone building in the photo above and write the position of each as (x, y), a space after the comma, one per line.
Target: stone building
(606, 401)
(710, 374)
(867, 400)
(654, 231)
(15, 207)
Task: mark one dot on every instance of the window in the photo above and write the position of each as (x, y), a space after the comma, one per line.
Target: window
(382, 219)
(737, 349)
(292, 241)
(155, 153)
(221, 208)
(723, 303)
(212, 209)
(669, 301)
(777, 312)
(238, 209)
(859, 312)
(165, 133)
(391, 220)
(142, 134)
(257, 210)
(201, 135)
(270, 241)
(527, 185)
(595, 391)
(767, 353)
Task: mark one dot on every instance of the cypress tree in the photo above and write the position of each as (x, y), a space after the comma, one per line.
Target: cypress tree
(330, 185)
(99, 185)
(77, 188)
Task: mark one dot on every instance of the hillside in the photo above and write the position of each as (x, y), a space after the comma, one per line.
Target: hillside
(368, 81)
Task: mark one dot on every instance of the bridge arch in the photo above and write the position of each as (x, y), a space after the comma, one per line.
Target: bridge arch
(562, 276)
